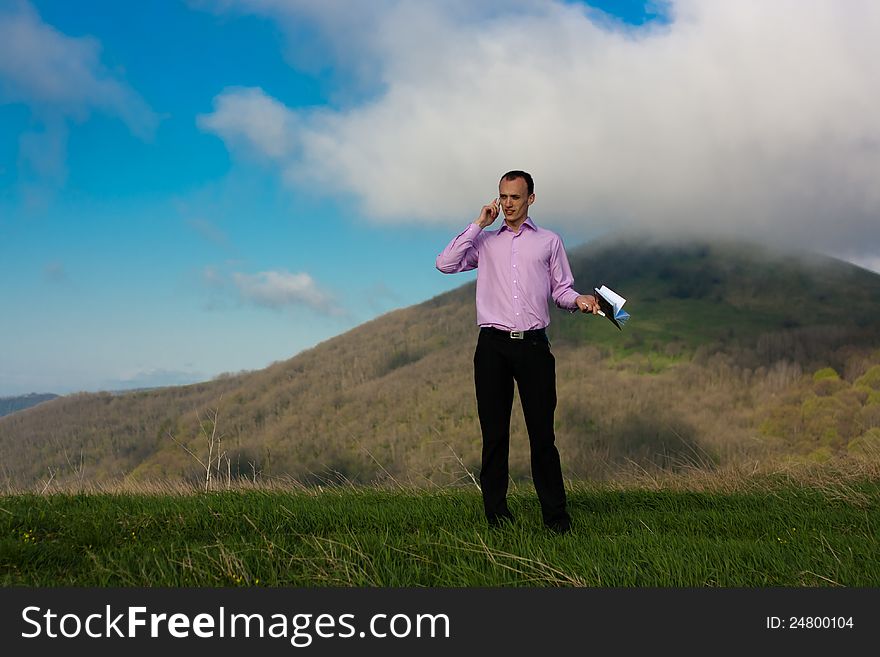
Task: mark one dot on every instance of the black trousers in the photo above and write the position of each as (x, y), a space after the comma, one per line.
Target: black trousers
(499, 360)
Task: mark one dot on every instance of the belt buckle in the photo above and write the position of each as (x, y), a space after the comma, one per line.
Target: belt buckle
(517, 335)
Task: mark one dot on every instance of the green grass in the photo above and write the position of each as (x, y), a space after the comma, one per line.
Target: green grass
(786, 535)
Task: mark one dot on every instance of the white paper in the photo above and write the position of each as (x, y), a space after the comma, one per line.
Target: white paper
(612, 297)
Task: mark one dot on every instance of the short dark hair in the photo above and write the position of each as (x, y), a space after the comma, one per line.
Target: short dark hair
(513, 175)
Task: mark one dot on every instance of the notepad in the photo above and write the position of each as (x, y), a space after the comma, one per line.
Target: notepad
(611, 306)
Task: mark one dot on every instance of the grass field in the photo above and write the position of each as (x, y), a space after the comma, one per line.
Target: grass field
(770, 532)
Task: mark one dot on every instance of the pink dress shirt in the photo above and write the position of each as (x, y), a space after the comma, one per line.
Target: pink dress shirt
(516, 274)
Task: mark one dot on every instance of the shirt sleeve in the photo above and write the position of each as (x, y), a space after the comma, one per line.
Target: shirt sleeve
(561, 279)
(462, 253)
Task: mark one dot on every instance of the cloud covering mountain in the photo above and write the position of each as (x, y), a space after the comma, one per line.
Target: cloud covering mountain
(752, 118)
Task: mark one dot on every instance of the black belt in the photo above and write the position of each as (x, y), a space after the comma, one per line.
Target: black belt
(515, 335)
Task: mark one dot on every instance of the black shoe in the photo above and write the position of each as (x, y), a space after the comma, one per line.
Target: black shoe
(500, 519)
(560, 526)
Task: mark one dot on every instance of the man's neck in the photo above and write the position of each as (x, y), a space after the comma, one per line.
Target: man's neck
(515, 226)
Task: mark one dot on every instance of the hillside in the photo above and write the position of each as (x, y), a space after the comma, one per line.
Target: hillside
(715, 367)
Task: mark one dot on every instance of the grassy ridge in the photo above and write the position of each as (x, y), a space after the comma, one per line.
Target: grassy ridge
(716, 292)
(777, 534)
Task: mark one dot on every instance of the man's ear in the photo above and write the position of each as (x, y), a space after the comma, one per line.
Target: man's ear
(531, 198)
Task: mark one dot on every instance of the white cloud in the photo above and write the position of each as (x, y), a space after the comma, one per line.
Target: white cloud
(55, 272)
(41, 153)
(212, 277)
(151, 378)
(60, 79)
(751, 117)
(322, 34)
(869, 262)
(277, 289)
(208, 231)
(248, 117)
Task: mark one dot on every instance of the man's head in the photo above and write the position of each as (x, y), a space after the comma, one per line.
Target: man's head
(516, 192)
(513, 175)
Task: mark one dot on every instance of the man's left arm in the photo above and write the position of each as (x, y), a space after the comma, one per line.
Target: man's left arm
(562, 284)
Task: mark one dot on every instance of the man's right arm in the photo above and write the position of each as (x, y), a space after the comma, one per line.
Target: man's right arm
(462, 253)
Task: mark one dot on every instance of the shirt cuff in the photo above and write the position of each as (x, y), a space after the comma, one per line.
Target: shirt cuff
(568, 301)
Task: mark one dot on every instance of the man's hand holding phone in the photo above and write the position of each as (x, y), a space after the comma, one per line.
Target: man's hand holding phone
(488, 214)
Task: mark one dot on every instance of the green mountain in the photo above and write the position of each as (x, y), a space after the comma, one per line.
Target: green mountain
(727, 346)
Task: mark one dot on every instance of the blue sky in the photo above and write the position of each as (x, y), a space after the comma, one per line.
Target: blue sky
(191, 188)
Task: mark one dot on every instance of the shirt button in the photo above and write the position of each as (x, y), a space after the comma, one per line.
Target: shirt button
(515, 297)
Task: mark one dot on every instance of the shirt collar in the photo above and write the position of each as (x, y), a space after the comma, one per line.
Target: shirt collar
(528, 222)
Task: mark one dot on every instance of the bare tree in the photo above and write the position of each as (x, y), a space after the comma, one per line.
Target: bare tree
(214, 444)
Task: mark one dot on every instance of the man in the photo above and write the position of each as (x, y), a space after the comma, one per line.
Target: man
(518, 267)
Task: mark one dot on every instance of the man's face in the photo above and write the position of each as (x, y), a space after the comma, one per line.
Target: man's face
(515, 199)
